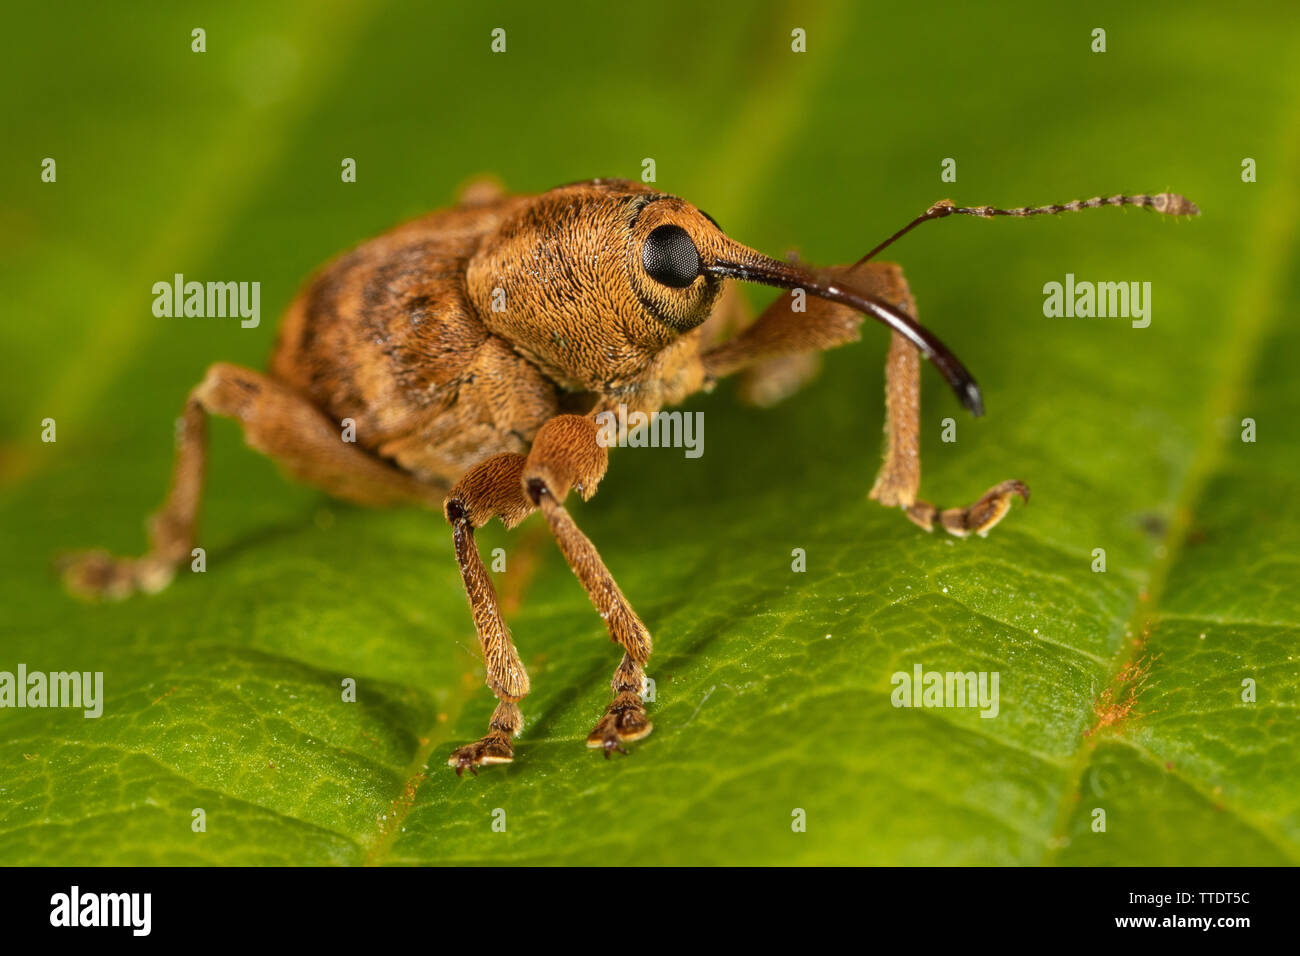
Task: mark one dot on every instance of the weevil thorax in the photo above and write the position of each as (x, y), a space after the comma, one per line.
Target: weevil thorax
(593, 281)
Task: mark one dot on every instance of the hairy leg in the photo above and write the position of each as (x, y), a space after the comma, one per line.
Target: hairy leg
(768, 381)
(567, 455)
(564, 456)
(824, 325)
(491, 489)
(278, 422)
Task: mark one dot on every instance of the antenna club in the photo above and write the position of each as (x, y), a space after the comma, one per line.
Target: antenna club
(1173, 204)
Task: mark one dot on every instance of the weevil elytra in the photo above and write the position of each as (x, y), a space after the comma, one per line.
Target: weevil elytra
(473, 349)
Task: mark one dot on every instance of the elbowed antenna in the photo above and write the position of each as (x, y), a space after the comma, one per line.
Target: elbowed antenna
(1171, 204)
(761, 269)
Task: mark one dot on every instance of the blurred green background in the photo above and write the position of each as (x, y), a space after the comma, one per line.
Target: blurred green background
(773, 687)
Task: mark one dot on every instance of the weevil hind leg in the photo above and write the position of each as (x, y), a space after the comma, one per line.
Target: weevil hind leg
(278, 422)
(567, 455)
(97, 574)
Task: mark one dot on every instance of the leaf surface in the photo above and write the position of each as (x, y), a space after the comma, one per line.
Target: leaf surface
(1119, 691)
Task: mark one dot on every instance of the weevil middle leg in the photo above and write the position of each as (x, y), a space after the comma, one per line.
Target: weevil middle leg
(769, 381)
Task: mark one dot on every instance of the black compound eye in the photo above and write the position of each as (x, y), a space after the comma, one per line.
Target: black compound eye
(670, 258)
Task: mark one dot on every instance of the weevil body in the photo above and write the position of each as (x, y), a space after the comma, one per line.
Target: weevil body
(473, 350)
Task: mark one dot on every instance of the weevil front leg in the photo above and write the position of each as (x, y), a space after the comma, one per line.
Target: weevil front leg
(825, 325)
(567, 455)
(899, 478)
(491, 489)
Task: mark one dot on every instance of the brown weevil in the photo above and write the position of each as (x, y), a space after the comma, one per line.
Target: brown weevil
(474, 348)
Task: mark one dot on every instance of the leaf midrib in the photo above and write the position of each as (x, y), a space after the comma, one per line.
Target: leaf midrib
(1275, 243)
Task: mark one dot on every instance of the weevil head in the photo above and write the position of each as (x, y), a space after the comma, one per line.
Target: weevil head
(595, 279)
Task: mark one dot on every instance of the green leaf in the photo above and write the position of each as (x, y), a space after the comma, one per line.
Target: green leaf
(1120, 691)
